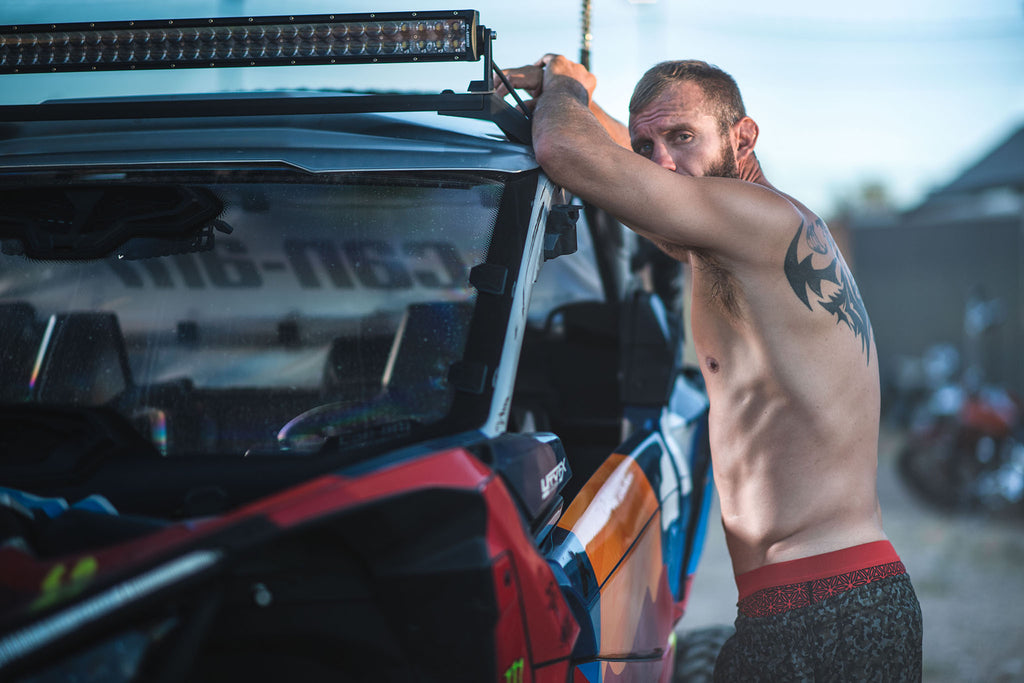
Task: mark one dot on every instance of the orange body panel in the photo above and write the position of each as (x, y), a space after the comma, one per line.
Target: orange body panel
(617, 519)
(610, 512)
(636, 603)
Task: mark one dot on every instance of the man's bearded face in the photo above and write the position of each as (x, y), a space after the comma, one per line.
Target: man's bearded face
(725, 166)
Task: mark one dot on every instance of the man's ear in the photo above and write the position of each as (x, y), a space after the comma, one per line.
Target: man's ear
(744, 138)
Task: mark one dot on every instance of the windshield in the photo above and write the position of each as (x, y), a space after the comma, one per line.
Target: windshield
(239, 312)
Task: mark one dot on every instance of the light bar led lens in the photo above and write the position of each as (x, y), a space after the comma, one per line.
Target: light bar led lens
(240, 41)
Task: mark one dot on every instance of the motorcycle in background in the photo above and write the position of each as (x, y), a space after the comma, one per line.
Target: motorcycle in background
(965, 444)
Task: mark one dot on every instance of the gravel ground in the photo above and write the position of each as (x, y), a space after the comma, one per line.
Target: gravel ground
(968, 572)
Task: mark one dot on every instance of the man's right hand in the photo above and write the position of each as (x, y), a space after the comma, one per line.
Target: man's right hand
(558, 65)
(531, 79)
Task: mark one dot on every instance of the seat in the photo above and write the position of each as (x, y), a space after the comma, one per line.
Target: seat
(430, 338)
(82, 360)
(20, 334)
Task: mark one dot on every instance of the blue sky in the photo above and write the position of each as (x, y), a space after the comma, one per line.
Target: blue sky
(905, 92)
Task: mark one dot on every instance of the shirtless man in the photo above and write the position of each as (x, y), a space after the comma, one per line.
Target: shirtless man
(787, 352)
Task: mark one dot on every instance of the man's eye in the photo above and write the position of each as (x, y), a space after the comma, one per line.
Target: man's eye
(684, 137)
(644, 149)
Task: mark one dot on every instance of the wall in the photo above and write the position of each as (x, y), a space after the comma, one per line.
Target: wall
(915, 281)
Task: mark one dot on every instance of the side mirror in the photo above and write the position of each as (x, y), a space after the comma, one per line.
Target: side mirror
(560, 231)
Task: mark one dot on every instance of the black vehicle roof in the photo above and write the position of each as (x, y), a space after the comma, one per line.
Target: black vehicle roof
(312, 131)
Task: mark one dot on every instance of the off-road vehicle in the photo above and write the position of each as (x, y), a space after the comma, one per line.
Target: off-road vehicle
(321, 385)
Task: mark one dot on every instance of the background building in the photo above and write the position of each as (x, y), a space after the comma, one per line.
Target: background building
(919, 271)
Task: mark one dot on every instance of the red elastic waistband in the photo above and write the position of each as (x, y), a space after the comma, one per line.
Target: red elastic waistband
(816, 567)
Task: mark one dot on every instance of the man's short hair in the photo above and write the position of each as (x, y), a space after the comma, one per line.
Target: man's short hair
(719, 88)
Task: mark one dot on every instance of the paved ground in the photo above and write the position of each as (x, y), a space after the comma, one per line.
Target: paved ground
(968, 573)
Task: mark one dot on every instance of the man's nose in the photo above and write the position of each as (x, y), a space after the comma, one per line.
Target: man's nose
(661, 157)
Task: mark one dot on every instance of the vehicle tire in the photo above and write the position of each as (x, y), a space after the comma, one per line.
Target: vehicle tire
(696, 652)
(930, 466)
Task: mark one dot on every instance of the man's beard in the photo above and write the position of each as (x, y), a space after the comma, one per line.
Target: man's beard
(726, 166)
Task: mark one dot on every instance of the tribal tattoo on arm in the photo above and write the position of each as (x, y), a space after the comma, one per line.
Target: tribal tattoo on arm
(844, 302)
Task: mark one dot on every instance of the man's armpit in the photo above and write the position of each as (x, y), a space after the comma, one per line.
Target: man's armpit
(720, 287)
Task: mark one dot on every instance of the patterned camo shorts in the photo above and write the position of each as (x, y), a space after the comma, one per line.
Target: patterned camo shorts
(862, 625)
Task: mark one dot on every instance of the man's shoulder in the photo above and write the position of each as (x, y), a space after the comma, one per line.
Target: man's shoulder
(756, 222)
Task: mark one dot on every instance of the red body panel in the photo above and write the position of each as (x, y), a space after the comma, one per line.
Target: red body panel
(535, 633)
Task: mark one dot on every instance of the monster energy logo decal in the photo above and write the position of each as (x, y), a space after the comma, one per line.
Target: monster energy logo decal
(844, 301)
(514, 674)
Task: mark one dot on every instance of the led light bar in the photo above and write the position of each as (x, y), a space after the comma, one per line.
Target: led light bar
(450, 35)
